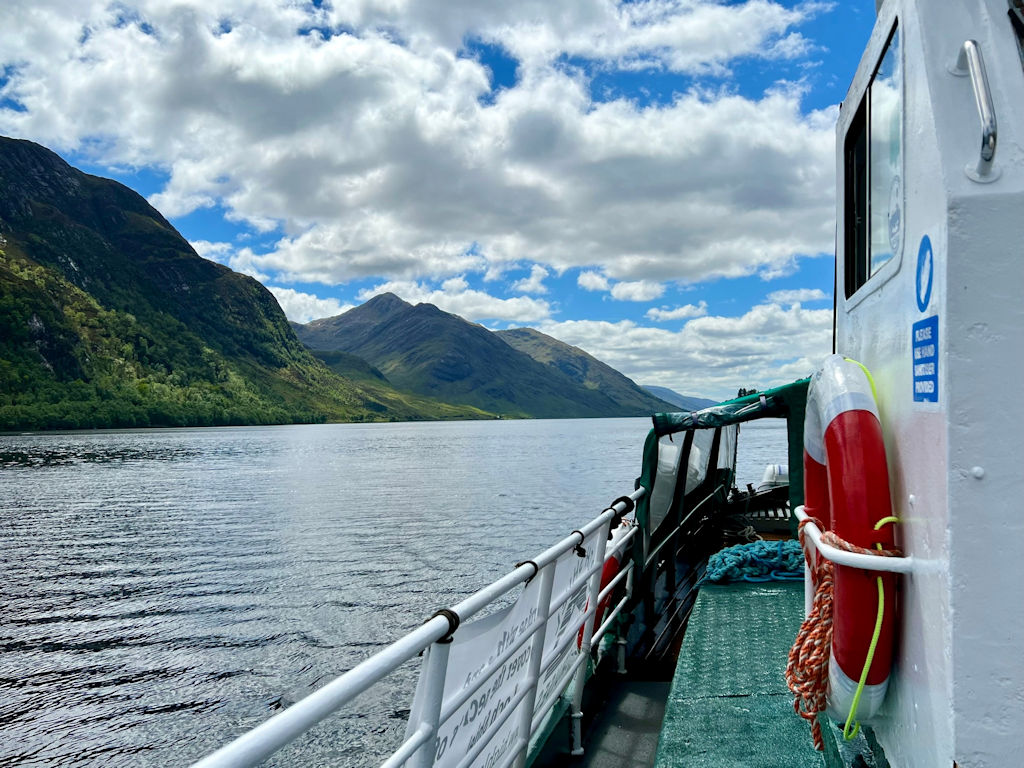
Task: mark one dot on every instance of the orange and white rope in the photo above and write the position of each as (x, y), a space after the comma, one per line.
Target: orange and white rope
(807, 667)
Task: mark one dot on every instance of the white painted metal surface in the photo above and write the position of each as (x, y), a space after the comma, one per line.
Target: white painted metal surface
(941, 327)
(420, 748)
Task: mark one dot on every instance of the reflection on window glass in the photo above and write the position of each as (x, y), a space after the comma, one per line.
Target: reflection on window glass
(886, 192)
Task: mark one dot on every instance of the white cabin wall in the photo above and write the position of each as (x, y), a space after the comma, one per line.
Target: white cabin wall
(875, 327)
(957, 691)
(985, 322)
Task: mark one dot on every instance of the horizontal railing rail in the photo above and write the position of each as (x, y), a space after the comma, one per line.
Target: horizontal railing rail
(434, 637)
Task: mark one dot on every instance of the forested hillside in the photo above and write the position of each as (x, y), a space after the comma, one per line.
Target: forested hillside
(108, 318)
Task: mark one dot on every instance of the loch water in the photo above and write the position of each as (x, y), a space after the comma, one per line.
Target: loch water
(164, 590)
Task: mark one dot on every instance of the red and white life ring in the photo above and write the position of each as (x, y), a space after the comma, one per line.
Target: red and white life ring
(846, 486)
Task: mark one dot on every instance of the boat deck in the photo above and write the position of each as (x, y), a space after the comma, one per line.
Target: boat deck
(729, 704)
(625, 733)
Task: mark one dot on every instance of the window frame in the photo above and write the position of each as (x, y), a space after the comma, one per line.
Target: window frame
(855, 136)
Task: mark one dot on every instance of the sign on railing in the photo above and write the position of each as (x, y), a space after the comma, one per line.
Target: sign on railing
(476, 650)
(570, 586)
(487, 680)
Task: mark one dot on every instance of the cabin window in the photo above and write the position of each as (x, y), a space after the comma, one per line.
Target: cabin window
(873, 161)
(1017, 22)
(856, 199)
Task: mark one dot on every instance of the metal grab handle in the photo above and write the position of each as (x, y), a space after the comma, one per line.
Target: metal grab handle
(970, 62)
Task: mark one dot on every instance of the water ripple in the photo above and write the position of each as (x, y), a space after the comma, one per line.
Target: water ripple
(165, 590)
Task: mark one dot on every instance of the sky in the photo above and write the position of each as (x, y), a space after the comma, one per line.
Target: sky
(652, 181)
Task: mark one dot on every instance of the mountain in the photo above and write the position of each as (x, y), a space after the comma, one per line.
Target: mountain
(424, 350)
(583, 368)
(682, 402)
(376, 386)
(108, 317)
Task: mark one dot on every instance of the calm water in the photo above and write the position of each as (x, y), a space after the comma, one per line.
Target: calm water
(164, 590)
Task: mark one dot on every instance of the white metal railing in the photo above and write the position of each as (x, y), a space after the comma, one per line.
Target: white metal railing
(420, 747)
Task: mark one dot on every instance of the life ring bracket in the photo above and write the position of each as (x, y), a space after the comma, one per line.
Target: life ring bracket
(904, 564)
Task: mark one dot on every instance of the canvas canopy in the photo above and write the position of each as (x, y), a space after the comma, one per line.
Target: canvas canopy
(788, 402)
(780, 402)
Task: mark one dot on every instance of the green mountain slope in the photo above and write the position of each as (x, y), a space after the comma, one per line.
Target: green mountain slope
(582, 368)
(376, 385)
(109, 318)
(424, 350)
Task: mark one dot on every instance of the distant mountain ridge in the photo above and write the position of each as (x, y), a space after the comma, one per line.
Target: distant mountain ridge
(516, 373)
(582, 368)
(682, 402)
(109, 318)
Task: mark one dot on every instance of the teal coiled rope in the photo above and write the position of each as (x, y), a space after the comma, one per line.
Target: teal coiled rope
(757, 561)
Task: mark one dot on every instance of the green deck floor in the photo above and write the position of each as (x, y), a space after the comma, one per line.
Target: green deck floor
(729, 705)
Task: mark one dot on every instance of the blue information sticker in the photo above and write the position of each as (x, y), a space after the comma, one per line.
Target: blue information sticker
(925, 343)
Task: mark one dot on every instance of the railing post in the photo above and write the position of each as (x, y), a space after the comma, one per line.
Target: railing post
(593, 590)
(435, 667)
(547, 582)
(620, 641)
(651, 576)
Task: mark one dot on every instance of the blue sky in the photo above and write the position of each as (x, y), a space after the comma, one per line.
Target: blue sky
(651, 181)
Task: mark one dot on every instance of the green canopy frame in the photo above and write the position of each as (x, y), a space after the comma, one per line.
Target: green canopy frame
(788, 402)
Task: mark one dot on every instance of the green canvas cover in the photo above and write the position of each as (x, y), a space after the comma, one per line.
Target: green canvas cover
(777, 402)
(788, 402)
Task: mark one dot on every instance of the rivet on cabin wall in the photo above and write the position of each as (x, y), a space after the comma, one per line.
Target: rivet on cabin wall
(978, 472)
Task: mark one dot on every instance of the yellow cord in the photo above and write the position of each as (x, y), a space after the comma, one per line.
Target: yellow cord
(849, 734)
(871, 379)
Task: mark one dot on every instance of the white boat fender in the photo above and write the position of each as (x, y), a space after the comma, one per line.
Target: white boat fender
(775, 476)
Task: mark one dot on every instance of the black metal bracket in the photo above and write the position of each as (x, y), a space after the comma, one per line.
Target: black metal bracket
(578, 549)
(616, 520)
(453, 623)
(529, 562)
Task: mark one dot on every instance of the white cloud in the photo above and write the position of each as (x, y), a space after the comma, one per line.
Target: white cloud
(219, 252)
(376, 155)
(457, 297)
(685, 312)
(297, 306)
(534, 283)
(592, 281)
(798, 295)
(710, 356)
(239, 259)
(455, 285)
(304, 307)
(693, 36)
(640, 290)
